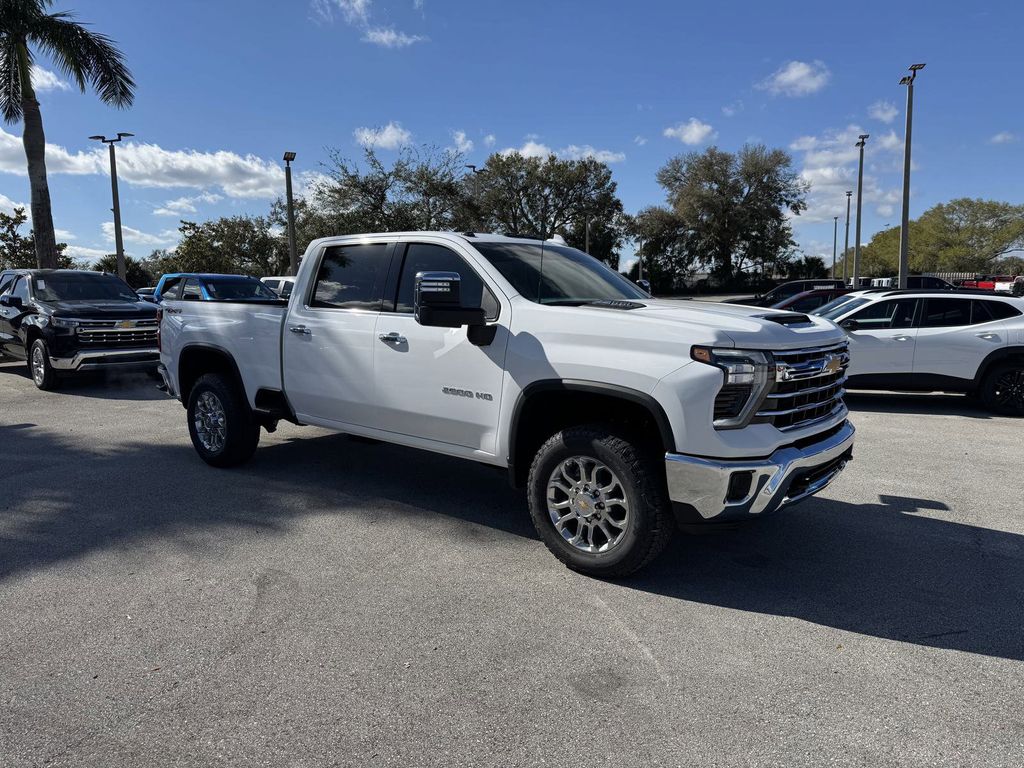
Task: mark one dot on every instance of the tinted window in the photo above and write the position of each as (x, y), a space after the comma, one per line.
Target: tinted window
(556, 274)
(839, 306)
(895, 313)
(941, 313)
(246, 288)
(171, 289)
(6, 282)
(191, 291)
(286, 288)
(985, 311)
(21, 289)
(422, 257)
(807, 303)
(272, 284)
(351, 277)
(81, 286)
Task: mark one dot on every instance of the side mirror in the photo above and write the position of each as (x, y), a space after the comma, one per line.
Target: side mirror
(645, 284)
(849, 325)
(12, 301)
(437, 302)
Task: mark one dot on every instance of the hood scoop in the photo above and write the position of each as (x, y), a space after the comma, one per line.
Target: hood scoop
(616, 304)
(787, 318)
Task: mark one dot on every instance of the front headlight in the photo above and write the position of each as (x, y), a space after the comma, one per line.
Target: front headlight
(63, 322)
(744, 384)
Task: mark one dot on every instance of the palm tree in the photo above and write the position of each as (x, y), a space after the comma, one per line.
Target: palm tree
(86, 57)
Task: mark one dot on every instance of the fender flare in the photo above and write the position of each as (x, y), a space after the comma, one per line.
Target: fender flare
(994, 357)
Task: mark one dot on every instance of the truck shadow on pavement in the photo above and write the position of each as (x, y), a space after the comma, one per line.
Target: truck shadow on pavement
(925, 404)
(893, 569)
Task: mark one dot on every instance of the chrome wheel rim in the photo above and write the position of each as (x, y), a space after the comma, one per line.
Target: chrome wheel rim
(1009, 389)
(38, 364)
(587, 505)
(210, 422)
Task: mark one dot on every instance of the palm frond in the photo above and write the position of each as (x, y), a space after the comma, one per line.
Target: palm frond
(86, 57)
(10, 80)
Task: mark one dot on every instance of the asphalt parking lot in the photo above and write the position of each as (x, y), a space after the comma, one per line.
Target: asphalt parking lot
(342, 603)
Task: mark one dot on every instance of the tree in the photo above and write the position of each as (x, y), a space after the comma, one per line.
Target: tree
(735, 205)
(664, 238)
(84, 56)
(18, 251)
(136, 273)
(542, 197)
(235, 244)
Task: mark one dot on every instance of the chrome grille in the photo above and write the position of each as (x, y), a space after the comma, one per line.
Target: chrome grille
(106, 333)
(808, 387)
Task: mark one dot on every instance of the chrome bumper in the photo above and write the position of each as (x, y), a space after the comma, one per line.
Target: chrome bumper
(106, 358)
(785, 477)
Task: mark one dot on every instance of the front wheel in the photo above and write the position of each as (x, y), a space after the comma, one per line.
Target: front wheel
(43, 375)
(220, 422)
(1002, 390)
(598, 502)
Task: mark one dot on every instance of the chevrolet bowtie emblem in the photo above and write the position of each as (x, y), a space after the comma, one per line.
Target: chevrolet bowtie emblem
(832, 364)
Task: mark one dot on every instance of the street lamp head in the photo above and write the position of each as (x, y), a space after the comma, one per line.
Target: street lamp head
(863, 140)
(916, 67)
(289, 157)
(849, 192)
(906, 80)
(124, 135)
(98, 138)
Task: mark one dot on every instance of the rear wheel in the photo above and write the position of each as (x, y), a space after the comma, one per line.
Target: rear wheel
(1002, 390)
(598, 502)
(39, 366)
(220, 422)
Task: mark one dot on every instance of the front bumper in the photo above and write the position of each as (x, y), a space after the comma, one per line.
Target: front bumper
(718, 489)
(97, 359)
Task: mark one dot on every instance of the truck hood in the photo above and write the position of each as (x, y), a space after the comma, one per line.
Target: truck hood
(733, 324)
(101, 310)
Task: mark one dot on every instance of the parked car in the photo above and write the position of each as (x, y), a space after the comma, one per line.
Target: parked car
(63, 321)
(787, 291)
(282, 285)
(615, 410)
(811, 300)
(951, 341)
(194, 286)
(918, 282)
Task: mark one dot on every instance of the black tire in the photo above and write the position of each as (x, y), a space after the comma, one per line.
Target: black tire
(44, 377)
(1002, 390)
(650, 523)
(241, 432)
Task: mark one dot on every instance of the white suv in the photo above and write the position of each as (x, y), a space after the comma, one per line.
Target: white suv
(928, 341)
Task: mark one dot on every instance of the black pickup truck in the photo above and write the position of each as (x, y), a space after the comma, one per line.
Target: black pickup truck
(64, 321)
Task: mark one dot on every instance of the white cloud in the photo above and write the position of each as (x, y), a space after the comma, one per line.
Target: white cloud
(387, 37)
(82, 252)
(693, 131)
(45, 80)
(1003, 137)
(352, 11)
(391, 136)
(138, 237)
(463, 143)
(7, 205)
(63, 235)
(530, 148)
(573, 152)
(248, 176)
(888, 140)
(797, 78)
(639, 140)
(183, 205)
(58, 159)
(731, 110)
(885, 111)
(885, 210)
(489, 140)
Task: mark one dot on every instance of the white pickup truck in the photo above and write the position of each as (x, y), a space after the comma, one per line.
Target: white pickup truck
(619, 413)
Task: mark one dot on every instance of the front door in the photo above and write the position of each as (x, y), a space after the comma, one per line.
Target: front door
(884, 339)
(329, 339)
(433, 383)
(11, 335)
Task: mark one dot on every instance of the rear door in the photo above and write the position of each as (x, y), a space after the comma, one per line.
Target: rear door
(433, 383)
(956, 334)
(329, 339)
(11, 335)
(884, 340)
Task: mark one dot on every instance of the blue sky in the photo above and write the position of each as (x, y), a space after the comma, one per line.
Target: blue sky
(225, 87)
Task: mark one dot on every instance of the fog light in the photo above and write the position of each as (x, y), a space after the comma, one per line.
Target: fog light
(739, 486)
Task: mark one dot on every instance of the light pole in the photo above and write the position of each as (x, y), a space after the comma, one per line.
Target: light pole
(118, 241)
(293, 258)
(905, 223)
(860, 195)
(846, 247)
(835, 240)
(476, 192)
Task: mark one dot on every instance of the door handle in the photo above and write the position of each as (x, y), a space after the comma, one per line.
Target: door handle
(901, 337)
(300, 329)
(392, 338)
(987, 335)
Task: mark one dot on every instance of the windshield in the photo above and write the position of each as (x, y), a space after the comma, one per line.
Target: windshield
(81, 286)
(839, 306)
(238, 288)
(556, 274)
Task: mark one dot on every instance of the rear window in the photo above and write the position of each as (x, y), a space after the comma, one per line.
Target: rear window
(352, 277)
(237, 289)
(987, 311)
